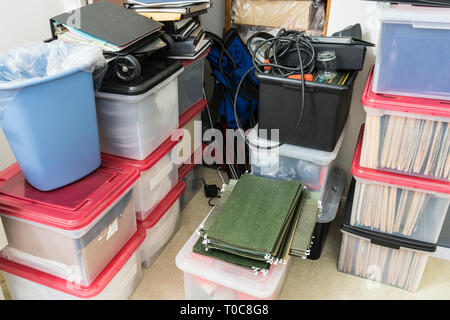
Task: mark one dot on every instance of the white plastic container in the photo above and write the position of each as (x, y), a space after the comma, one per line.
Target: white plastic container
(207, 278)
(406, 135)
(133, 126)
(190, 83)
(117, 281)
(412, 51)
(191, 123)
(289, 162)
(73, 232)
(401, 205)
(158, 176)
(161, 225)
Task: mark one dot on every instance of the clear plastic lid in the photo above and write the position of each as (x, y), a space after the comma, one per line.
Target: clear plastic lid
(96, 287)
(312, 155)
(332, 198)
(410, 105)
(191, 61)
(418, 16)
(70, 208)
(395, 179)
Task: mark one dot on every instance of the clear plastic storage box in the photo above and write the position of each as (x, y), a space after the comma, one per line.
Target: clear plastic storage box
(401, 205)
(379, 257)
(207, 278)
(290, 162)
(443, 249)
(72, 232)
(406, 135)
(116, 282)
(133, 126)
(190, 83)
(191, 122)
(413, 50)
(192, 175)
(162, 224)
(158, 175)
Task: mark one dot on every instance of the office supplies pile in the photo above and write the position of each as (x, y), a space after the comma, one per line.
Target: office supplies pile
(402, 157)
(182, 23)
(118, 205)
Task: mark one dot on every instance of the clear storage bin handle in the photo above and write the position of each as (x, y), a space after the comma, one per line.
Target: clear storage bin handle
(430, 25)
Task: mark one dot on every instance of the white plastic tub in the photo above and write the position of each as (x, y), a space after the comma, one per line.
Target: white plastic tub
(207, 278)
(401, 205)
(161, 225)
(158, 175)
(191, 123)
(289, 162)
(443, 249)
(73, 232)
(133, 126)
(190, 83)
(412, 51)
(406, 135)
(117, 281)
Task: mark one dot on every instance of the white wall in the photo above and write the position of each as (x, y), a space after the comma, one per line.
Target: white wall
(342, 14)
(25, 21)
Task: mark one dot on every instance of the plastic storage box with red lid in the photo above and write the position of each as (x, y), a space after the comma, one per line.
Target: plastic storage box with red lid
(398, 204)
(72, 232)
(207, 278)
(161, 225)
(190, 83)
(116, 282)
(412, 51)
(158, 175)
(190, 122)
(406, 135)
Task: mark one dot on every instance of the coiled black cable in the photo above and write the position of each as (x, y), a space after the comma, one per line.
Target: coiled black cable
(279, 46)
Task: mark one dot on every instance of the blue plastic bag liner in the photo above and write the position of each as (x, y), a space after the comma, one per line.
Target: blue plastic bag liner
(29, 65)
(48, 113)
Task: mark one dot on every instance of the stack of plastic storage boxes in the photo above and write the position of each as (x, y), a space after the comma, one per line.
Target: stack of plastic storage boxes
(79, 241)
(401, 162)
(157, 122)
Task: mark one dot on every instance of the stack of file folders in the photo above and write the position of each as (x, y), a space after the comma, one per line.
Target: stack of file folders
(181, 20)
(250, 229)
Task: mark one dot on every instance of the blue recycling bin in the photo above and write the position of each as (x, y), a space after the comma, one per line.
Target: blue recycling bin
(50, 123)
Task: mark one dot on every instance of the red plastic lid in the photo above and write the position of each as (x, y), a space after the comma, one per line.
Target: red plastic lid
(396, 179)
(430, 107)
(163, 206)
(192, 112)
(151, 160)
(187, 167)
(188, 62)
(70, 208)
(96, 287)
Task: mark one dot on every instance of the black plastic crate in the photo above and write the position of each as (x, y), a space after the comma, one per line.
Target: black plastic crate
(325, 112)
